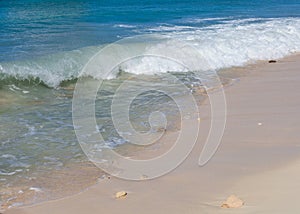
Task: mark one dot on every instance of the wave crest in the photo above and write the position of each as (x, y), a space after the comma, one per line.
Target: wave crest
(222, 45)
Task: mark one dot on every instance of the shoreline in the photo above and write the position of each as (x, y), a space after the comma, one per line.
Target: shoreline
(206, 187)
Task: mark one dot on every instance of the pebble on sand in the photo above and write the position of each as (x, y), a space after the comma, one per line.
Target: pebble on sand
(272, 61)
(121, 194)
(232, 202)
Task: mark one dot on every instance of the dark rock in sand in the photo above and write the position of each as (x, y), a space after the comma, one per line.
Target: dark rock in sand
(272, 61)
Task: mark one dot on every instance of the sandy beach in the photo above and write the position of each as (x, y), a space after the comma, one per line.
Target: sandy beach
(149, 106)
(257, 161)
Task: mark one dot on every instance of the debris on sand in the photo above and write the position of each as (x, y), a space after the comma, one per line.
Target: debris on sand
(232, 202)
(272, 61)
(121, 194)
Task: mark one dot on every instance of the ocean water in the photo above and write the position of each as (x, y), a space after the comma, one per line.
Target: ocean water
(44, 45)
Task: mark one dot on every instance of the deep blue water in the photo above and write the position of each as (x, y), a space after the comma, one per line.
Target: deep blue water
(33, 28)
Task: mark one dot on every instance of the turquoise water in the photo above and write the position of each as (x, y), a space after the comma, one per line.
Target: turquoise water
(33, 28)
(45, 44)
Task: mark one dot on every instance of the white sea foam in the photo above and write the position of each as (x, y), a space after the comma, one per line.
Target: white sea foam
(201, 20)
(52, 69)
(36, 189)
(224, 44)
(8, 156)
(169, 28)
(237, 42)
(125, 26)
(7, 173)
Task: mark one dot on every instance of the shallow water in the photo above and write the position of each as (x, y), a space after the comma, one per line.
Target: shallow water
(37, 134)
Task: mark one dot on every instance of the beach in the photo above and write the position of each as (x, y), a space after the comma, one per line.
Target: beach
(257, 160)
(149, 106)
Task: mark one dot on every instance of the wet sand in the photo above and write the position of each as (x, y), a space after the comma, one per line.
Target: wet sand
(257, 160)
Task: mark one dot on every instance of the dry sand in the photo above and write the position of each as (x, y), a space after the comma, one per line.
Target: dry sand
(257, 160)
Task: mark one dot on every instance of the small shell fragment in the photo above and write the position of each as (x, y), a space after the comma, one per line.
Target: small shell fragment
(232, 202)
(121, 194)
